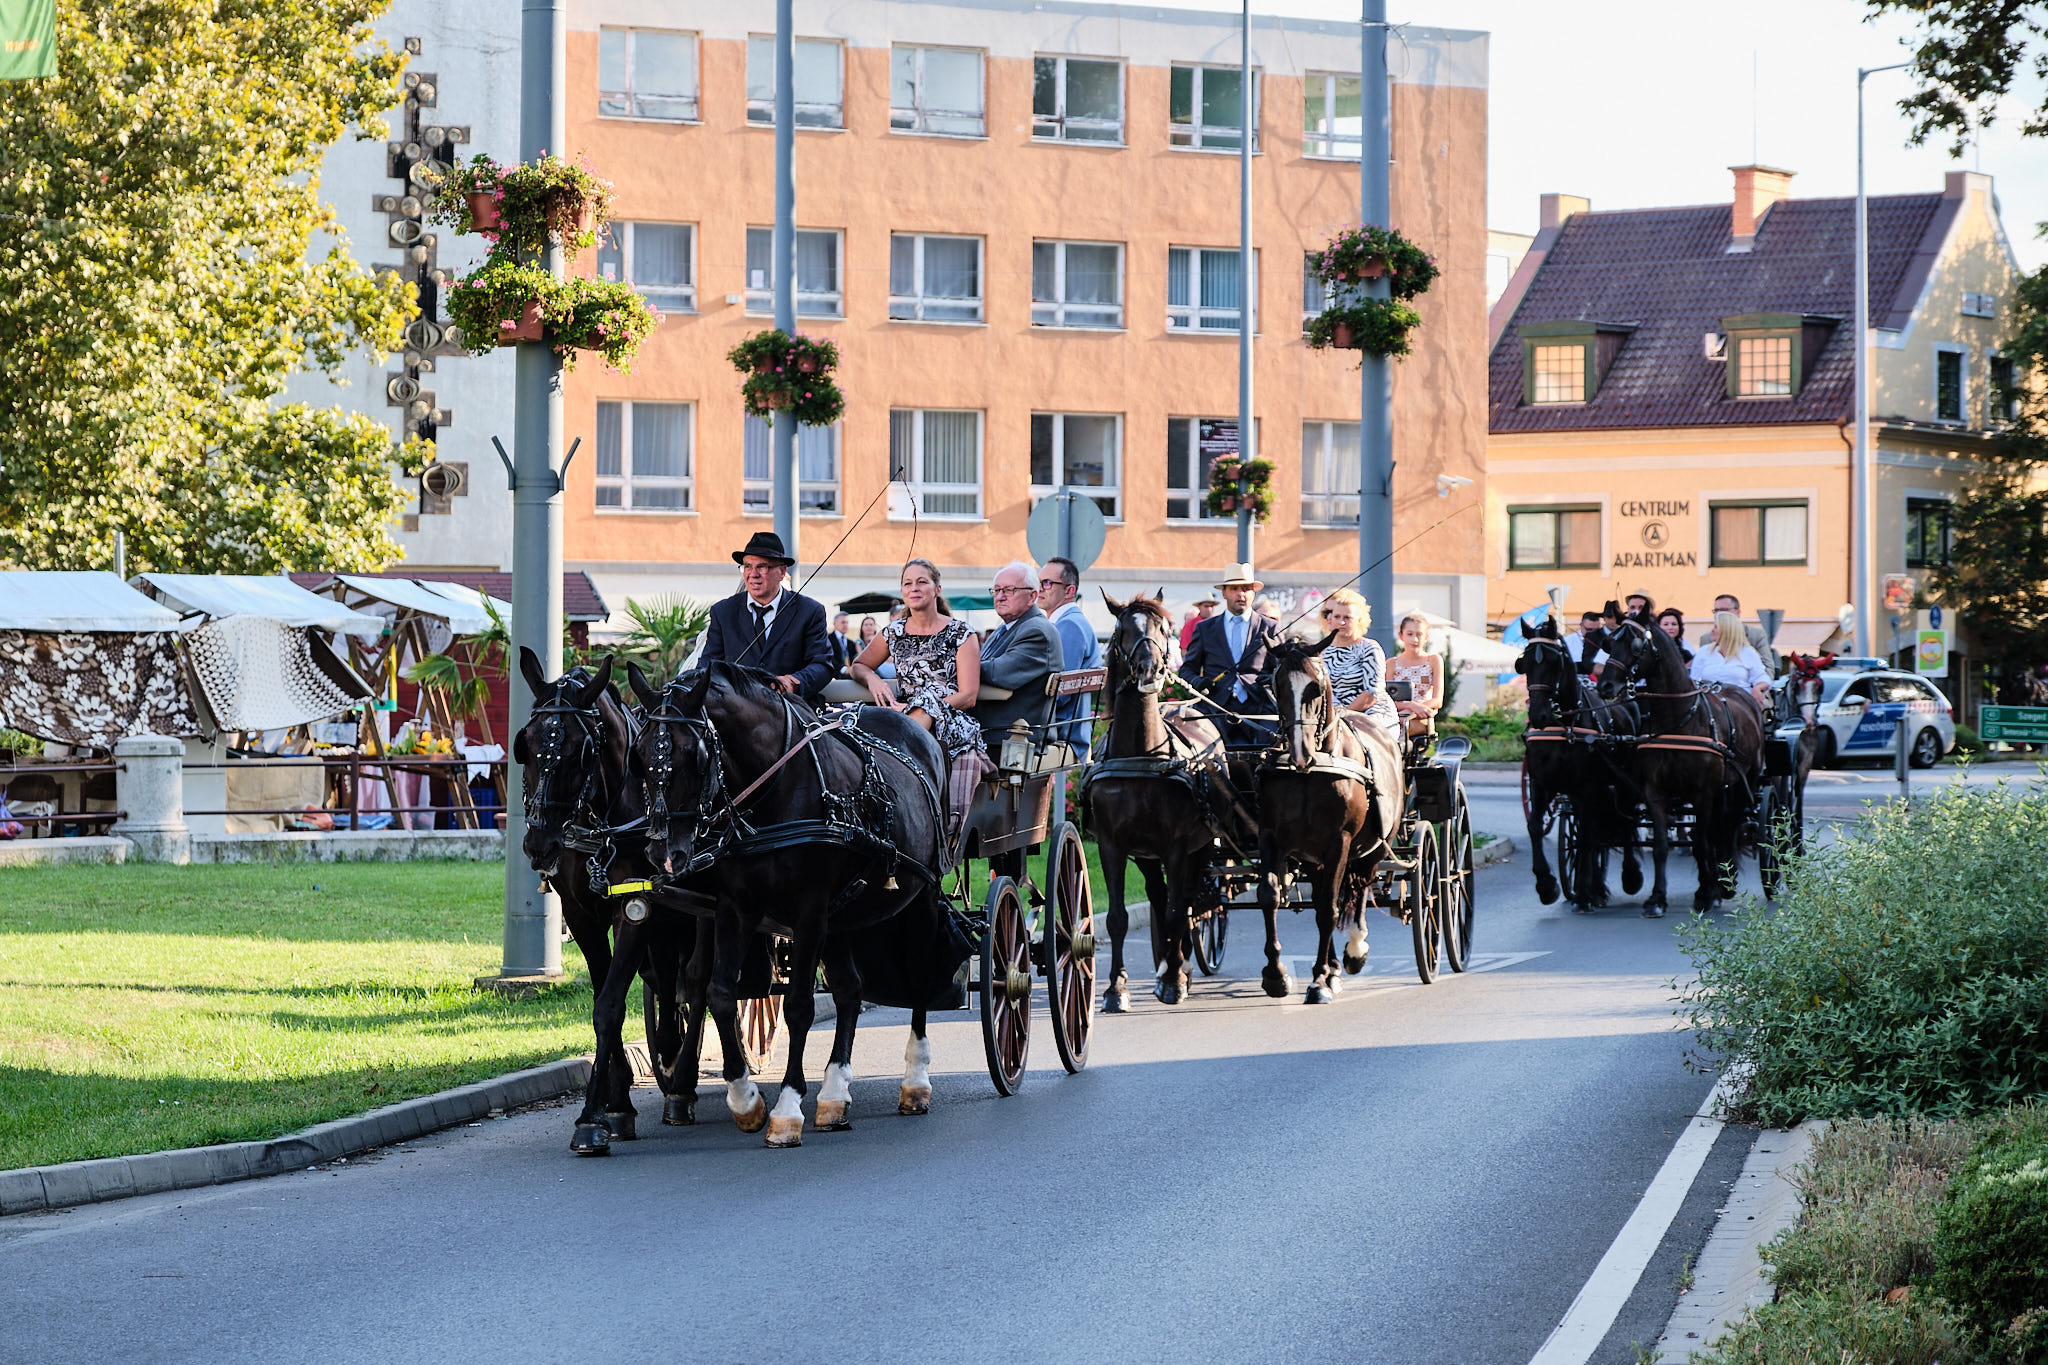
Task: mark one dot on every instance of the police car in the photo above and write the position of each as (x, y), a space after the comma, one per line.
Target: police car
(1861, 701)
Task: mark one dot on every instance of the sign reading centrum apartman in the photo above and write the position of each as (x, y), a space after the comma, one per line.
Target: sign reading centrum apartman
(1651, 522)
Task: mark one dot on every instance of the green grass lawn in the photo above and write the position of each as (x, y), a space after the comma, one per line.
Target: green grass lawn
(148, 1007)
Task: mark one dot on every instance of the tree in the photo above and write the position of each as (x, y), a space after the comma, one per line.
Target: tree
(166, 264)
(1998, 565)
(1970, 51)
(665, 630)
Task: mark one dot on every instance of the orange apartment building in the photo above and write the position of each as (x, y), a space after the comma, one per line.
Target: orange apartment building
(1018, 220)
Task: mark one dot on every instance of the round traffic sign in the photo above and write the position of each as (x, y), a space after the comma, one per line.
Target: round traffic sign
(1067, 524)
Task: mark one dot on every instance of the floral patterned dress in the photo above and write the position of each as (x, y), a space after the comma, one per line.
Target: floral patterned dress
(927, 672)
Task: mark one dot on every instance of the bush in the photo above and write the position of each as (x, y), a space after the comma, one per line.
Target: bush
(1991, 1244)
(1968, 741)
(1495, 732)
(1904, 969)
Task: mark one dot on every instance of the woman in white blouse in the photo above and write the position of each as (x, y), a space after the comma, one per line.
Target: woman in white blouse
(1728, 659)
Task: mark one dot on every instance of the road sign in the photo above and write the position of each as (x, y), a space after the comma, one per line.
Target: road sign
(1081, 536)
(1930, 653)
(1934, 617)
(2014, 724)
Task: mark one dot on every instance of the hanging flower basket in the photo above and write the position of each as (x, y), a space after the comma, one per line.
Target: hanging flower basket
(525, 327)
(790, 374)
(1234, 482)
(604, 316)
(500, 302)
(1341, 335)
(1369, 253)
(482, 208)
(519, 208)
(1381, 327)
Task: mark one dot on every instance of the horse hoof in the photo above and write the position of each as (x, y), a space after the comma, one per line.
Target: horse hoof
(1169, 992)
(679, 1111)
(913, 1100)
(1276, 984)
(786, 1131)
(752, 1120)
(1582, 907)
(591, 1139)
(1653, 912)
(831, 1117)
(1318, 994)
(1116, 1002)
(622, 1126)
(1546, 892)
(1631, 879)
(1598, 900)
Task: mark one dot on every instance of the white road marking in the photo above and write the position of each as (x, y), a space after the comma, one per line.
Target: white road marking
(1600, 1301)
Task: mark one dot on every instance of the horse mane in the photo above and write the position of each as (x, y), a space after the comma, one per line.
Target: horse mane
(1149, 607)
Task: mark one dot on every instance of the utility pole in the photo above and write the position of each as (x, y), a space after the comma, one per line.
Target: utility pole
(1376, 397)
(1861, 569)
(784, 246)
(1248, 277)
(533, 917)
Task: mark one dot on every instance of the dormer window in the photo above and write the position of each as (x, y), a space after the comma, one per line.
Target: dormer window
(1770, 354)
(1560, 374)
(1565, 362)
(1764, 367)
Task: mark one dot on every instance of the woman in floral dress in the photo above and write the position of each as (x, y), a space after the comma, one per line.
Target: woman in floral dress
(938, 675)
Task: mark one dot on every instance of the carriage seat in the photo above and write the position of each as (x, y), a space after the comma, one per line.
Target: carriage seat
(1033, 748)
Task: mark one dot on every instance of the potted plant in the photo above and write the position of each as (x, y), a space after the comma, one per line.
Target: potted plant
(470, 198)
(605, 316)
(1234, 483)
(1380, 327)
(501, 302)
(520, 207)
(1368, 253)
(789, 374)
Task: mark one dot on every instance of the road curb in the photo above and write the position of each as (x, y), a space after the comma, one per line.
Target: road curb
(89, 1182)
(1729, 1279)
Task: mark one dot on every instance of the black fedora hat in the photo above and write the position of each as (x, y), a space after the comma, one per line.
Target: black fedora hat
(764, 545)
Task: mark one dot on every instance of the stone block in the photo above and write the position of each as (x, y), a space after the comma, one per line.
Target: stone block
(284, 1154)
(182, 1169)
(86, 1182)
(21, 1191)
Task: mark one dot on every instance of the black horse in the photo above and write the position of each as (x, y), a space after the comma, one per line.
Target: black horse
(575, 750)
(1567, 754)
(1155, 808)
(1333, 818)
(831, 835)
(1702, 744)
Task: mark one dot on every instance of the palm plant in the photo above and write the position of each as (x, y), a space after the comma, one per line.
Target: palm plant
(665, 630)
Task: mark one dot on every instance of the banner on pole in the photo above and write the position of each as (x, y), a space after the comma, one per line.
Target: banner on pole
(1930, 654)
(28, 39)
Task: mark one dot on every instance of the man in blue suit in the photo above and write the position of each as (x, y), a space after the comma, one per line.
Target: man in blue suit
(1229, 660)
(1059, 588)
(766, 626)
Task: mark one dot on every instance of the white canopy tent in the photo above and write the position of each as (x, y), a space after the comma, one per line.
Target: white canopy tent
(469, 597)
(394, 595)
(83, 601)
(1473, 653)
(277, 599)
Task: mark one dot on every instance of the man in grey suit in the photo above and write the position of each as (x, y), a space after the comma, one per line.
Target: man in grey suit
(1018, 655)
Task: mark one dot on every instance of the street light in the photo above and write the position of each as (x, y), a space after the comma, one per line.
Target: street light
(1860, 567)
(1248, 294)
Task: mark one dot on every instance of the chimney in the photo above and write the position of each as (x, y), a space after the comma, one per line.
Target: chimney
(1558, 207)
(1756, 189)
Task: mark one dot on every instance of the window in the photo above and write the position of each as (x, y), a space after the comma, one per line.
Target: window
(2003, 400)
(1077, 101)
(938, 454)
(934, 279)
(1757, 533)
(644, 459)
(1764, 367)
(817, 469)
(1332, 123)
(1329, 473)
(657, 259)
(1926, 533)
(820, 83)
(935, 90)
(1192, 445)
(817, 273)
(1205, 108)
(1077, 284)
(1560, 374)
(1203, 292)
(1948, 386)
(647, 73)
(1079, 452)
(1553, 537)
(1315, 296)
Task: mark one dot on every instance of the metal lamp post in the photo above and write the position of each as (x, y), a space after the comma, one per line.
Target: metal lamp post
(1860, 559)
(1248, 274)
(1376, 397)
(784, 246)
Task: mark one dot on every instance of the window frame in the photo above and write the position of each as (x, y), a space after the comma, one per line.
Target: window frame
(1917, 506)
(760, 302)
(625, 480)
(918, 302)
(1196, 311)
(626, 261)
(917, 111)
(752, 484)
(2002, 390)
(1555, 511)
(1327, 429)
(1740, 346)
(1760, 506)
(1313, 290)
(913, 481)
(1060, 120)
(1058, 307)
(1111, 489)
(1326, 144)
(1197, 495)
(764, 117)
(1196, 132)
(695, 97)
(1962, 355)
(1537, 374)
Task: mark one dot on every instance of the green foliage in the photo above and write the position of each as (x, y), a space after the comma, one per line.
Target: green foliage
(1968, 741)
(1495, 731)
(791, 374)
(535, 201)
(166, 264)
(1991, 1243)
(1378, 327)
(1829, 1329)
(1361, 253)
(1904, 969)
(15, 742)
(1967, 60)
(665, 630)
(1232, 480)
(493, 294)
(464, 696)
(1998, 564)
(604, 316)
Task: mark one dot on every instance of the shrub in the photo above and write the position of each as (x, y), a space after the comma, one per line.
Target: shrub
(1991, 1244)
(790, 374)
(1904, 969)
(605, 316)
(1831, 1329)
(1968, 741)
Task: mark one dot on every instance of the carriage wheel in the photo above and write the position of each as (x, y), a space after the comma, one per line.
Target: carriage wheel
(1780, 836)
(1568, 855)
(1211, 933)
(1425, 886)
(760, 1022)
(1456, 910)
(1005, 986)
(1069, 946)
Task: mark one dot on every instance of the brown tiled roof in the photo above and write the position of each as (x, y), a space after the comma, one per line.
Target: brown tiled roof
(580, 600)
(1669, 274)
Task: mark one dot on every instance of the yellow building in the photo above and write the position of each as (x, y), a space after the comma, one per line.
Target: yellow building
(1672, 392)
(1019, 223)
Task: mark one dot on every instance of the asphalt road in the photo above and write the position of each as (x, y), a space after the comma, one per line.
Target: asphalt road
(1410, 1174)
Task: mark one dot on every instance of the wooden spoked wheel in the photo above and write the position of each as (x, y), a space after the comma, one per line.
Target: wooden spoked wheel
(1212, 934)
(1069, 946)
(1568, 879)
(1455, 908)
(1005, 987)
(760, 1022)
(1425, 887)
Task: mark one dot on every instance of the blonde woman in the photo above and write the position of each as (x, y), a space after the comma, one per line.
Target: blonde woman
(1356, 665)
(1422, 671)
(1729, 659)
(937, 662)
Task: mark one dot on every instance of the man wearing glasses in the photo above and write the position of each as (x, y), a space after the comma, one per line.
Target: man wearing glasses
(1018, 655)
(1059, 591)
(766, 626)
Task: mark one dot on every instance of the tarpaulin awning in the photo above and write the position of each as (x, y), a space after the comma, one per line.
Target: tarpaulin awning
(89, 600)
(468, 597)
(223, 595)
(405, 594)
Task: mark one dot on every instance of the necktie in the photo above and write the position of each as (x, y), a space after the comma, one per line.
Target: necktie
(1235, 632)
(760, 620)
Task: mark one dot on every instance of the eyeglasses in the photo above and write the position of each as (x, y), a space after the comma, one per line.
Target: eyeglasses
(1006, 592)
(1052, 583)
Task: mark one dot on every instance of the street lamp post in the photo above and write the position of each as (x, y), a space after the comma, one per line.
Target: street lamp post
(1376, 397)
(1248, 275)
(784, 246)
(1860, 565)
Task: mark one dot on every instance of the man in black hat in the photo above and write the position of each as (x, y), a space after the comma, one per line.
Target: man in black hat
(766, 626)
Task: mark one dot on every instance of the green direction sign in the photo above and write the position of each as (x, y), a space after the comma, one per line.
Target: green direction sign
(2014, 724)
(28, 39)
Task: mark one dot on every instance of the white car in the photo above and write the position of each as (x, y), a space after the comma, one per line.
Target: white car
(1860, 706)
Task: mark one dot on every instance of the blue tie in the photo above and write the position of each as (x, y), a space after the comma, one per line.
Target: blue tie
(1235, 627)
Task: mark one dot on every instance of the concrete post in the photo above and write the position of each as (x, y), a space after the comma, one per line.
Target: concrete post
(1376, 373)
(149, 789)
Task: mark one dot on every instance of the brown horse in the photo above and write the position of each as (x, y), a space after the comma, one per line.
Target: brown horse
(1332, 818)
